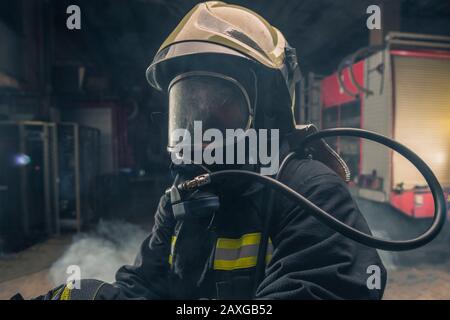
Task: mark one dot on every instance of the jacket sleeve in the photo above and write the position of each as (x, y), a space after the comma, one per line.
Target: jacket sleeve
(310, 260)
(148, 277)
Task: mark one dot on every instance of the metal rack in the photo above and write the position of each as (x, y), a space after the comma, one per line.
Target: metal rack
(48, 173)
(28, 182)
(78, 155)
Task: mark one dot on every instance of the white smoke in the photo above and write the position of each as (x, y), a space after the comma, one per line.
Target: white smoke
(100, 253)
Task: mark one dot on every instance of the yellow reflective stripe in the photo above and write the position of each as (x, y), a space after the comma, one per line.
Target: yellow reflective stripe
(172, 243)
(55, 294)
(241, 263)
(245, 240)
(172, 246)
(65, 295)
(245, 258)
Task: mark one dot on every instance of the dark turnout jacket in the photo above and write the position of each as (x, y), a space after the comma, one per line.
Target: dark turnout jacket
(216, 258)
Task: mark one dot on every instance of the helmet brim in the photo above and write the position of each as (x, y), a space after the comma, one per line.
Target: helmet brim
(158, 74)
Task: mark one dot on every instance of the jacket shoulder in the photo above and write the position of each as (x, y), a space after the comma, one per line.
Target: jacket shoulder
(301, 171)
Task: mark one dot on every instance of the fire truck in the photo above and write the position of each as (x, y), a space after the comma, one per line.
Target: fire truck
(401, 90)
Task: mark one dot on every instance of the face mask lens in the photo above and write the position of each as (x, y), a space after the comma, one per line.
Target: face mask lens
(212, 102)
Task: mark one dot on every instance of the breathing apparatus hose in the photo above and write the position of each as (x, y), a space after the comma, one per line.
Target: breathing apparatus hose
(440, 210)
(350, 232)
(261, 258)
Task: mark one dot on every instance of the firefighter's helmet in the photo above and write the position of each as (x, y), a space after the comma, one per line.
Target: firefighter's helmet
(234, 42)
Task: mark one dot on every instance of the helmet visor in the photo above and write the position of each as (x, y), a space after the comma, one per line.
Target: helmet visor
(205, 100)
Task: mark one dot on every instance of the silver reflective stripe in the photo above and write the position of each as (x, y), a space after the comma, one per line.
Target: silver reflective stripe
(233, 254)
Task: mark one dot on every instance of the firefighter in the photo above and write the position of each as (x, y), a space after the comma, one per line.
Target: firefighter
(226, 66)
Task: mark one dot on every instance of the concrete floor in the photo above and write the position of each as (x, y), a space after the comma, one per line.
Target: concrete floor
(425, 282)
(28, 273)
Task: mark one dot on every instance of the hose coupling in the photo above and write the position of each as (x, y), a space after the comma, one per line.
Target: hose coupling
(195, 183)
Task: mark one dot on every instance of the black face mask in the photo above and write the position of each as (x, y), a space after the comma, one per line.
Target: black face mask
(217, 101)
